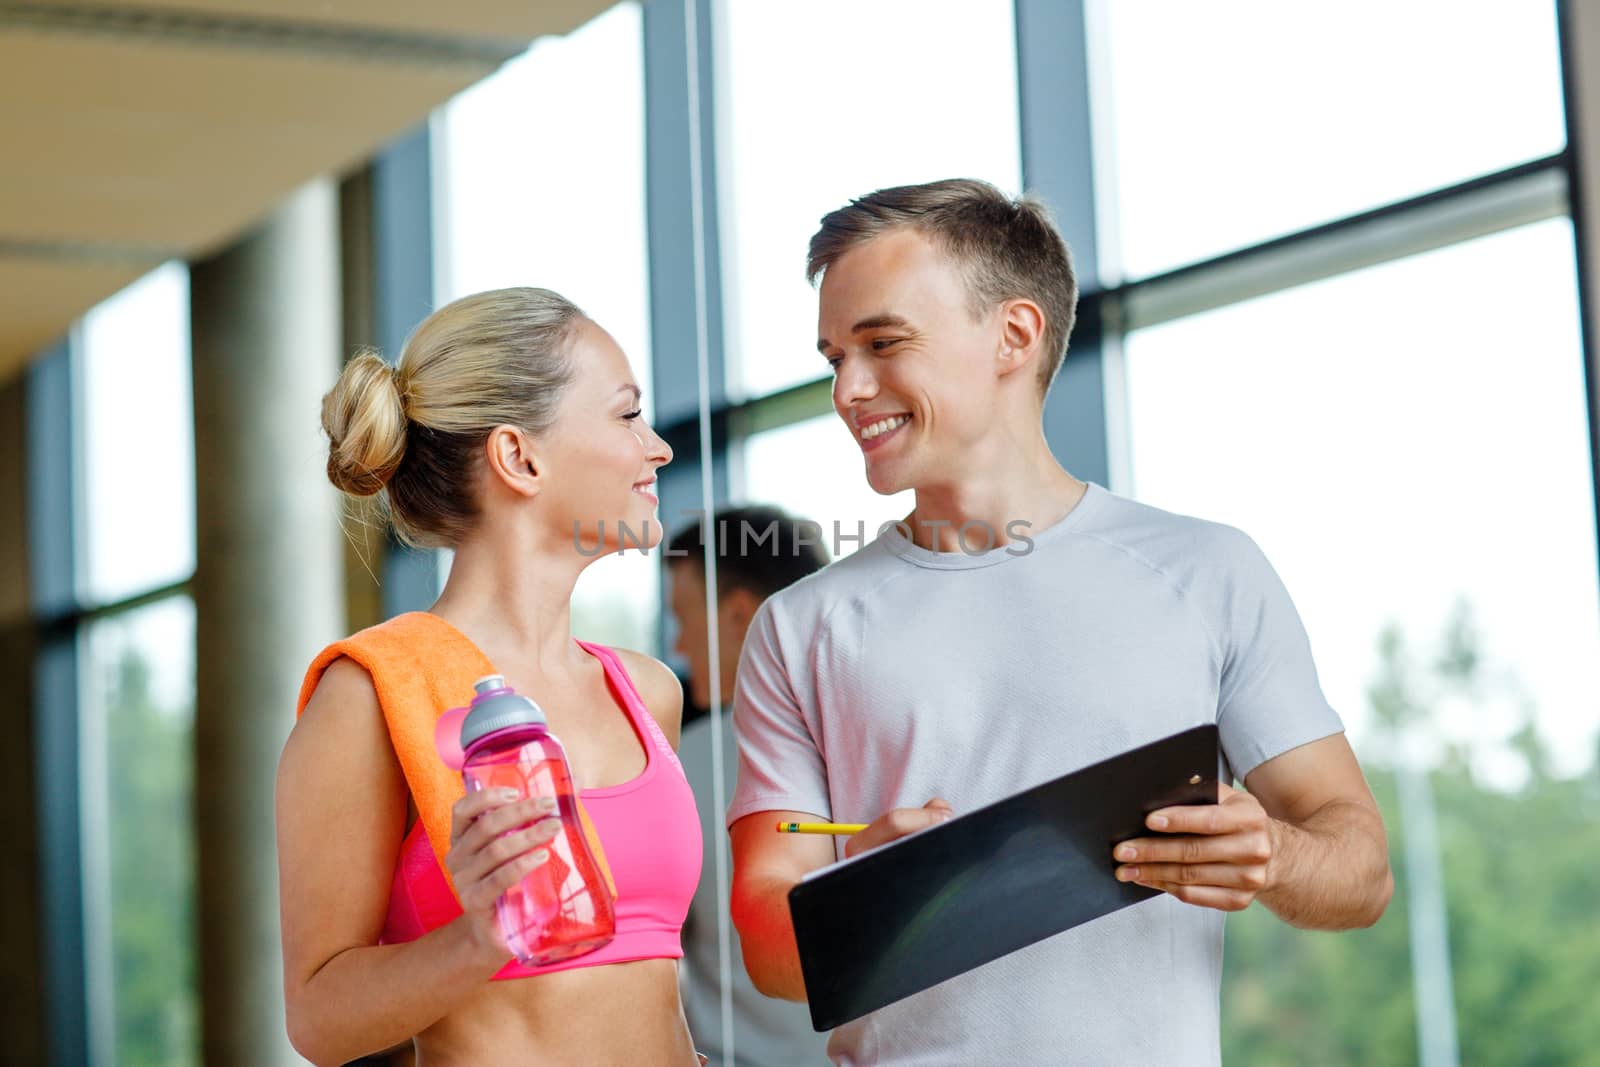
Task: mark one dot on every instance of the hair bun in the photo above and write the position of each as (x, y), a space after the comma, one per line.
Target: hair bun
(364, 417)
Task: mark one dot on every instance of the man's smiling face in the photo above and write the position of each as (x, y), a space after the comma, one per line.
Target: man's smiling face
(914, 374)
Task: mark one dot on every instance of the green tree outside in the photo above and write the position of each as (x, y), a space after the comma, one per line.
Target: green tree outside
(151, 820)
(1522, 886)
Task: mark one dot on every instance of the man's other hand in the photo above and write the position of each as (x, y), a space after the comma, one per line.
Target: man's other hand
(1214, 855)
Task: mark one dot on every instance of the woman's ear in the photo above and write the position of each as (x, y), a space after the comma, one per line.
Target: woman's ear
(511, 459)
(1021, 334)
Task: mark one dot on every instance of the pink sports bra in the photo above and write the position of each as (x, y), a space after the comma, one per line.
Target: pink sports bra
(648, 827)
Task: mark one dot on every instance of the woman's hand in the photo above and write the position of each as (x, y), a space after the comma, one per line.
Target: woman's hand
(495, 840)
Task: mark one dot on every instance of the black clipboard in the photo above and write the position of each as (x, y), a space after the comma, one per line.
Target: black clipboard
(877, 928)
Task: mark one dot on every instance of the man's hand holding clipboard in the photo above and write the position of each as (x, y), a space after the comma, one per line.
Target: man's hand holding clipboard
(1214, 856)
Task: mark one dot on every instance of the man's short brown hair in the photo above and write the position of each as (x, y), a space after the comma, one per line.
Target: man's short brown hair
(1007, 248)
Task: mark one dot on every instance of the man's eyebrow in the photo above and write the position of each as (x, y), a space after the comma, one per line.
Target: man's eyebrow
(872, 322)
(878, 322)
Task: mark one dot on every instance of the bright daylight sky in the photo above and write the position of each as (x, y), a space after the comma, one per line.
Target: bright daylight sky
(1393, 439)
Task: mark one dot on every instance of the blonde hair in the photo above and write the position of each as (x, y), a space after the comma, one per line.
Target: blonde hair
(1006, 248)
(415, 431)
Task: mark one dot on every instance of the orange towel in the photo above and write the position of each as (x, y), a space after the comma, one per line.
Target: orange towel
(421, 667)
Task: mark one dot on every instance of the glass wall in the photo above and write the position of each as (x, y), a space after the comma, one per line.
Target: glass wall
(1414, 460)
(1408, 442)
(134, 539)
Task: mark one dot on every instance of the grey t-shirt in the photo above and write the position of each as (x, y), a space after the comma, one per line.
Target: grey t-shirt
(899, 674)
(766, 1032)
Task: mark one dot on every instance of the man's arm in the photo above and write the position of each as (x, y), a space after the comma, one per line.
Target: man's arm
(767, 864)
(779, 765)
(1306, 840)
(1330, 868)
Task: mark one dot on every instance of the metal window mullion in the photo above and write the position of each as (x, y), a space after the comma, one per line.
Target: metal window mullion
(404, 265)
(674, 330)
(687, 326)
(1085, 418)
(1580, 54)
(1487, 205)
(53, 484)
(668, 168)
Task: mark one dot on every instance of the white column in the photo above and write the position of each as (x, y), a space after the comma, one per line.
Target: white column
(268, 587)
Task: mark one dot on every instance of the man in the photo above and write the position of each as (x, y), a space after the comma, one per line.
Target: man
(1021, 624)
(760, 550)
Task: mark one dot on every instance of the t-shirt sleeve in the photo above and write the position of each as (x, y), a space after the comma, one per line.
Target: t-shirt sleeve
(780, 768)
(1270, 700)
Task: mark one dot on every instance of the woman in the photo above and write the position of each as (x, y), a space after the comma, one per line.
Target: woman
(510, 431)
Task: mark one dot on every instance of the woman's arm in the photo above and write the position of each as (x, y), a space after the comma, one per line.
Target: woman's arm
(341, 812)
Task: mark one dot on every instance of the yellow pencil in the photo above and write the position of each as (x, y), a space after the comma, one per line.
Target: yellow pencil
(821, 827)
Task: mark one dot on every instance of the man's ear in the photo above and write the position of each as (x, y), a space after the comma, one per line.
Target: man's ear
(1021, 334)
(511, 460)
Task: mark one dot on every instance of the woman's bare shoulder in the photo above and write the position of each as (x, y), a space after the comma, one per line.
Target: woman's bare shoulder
(658, 688)
(341, 721)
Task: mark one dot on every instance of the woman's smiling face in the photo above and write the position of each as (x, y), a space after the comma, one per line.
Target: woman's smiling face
(600, 456)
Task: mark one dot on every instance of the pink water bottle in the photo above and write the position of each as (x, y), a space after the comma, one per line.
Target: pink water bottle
(563, 907)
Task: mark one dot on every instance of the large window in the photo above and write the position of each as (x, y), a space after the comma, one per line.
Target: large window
(828, 102)
(138, 808)
(1238, 120)
(542, 173)
(1397, 443)
(134, 539)
(1408, 444)
(138, 439)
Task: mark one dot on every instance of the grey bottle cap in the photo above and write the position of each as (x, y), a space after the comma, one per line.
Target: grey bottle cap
(493, 711)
